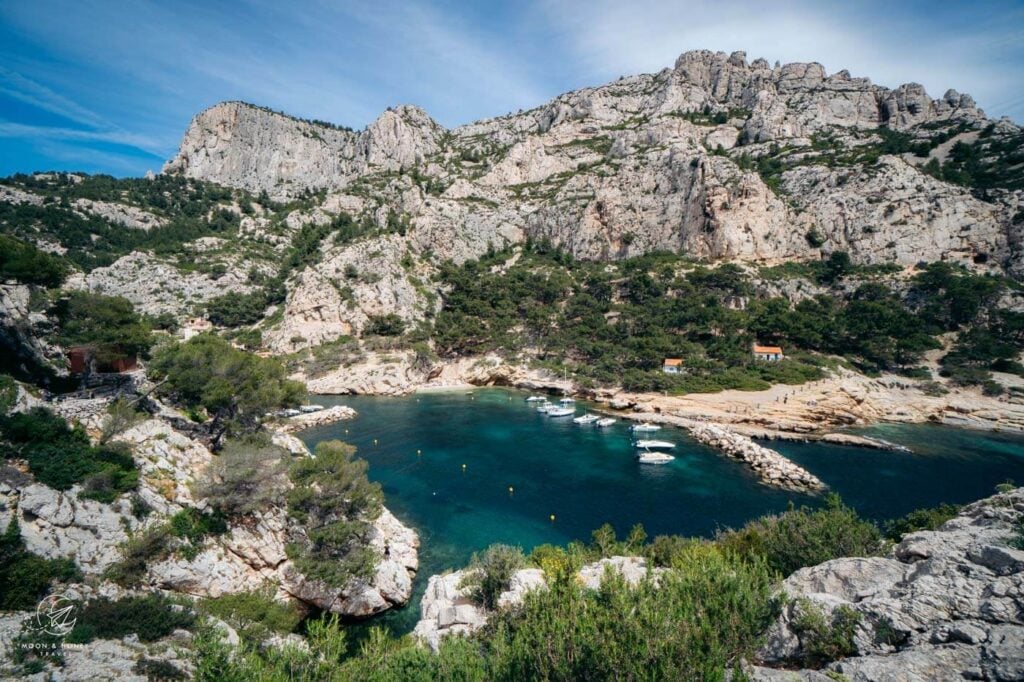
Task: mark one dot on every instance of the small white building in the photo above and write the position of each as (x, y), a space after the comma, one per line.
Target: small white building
(767, 353)
(672, 366)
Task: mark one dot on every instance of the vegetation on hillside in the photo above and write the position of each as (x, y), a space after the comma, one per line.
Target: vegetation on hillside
(709, 609)
(335, 504)
(615, 323)
(61, 456)
(232, 388)
(192, 209)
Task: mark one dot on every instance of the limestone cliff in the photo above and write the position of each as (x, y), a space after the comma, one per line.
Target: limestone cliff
(656, 161)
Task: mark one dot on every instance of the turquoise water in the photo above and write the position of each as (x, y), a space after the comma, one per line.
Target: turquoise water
(586, 476)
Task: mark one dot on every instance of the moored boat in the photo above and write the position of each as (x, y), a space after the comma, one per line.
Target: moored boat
(586, 419)
(561, 411)
(536, 399)
(604, 421)
(649, 457)
(655, 444)
(646, 428)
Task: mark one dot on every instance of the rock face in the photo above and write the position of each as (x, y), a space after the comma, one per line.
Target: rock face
(242, 145)
(647, 162)
(446, 608)
(945, 604)
(250, 555)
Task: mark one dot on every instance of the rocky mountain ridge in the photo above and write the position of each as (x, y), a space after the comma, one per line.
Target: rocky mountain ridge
(656, 161)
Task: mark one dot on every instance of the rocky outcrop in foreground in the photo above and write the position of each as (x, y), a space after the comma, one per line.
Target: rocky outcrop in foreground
(943, 605)
(249, 556)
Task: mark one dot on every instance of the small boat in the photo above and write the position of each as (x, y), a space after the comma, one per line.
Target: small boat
(646, 428)
(604, 421)
(586, 419)
(565, 402)
(655, 444)
(648, 457)
(536, 399)
(545, 406)
(561, 411)
(308, 409)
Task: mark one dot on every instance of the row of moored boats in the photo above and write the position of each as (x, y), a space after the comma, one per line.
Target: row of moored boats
(648, 450)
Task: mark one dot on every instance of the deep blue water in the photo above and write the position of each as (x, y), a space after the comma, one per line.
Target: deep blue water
(586, 476)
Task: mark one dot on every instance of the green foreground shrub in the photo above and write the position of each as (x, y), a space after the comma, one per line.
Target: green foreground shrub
(60, 456)
(490, 573)
(151, 617)
(806, 537)
(25, 577)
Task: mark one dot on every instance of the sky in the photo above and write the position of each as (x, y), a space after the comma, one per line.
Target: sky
(108, 86)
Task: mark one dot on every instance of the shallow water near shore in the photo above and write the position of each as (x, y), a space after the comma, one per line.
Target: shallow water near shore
(474, 448)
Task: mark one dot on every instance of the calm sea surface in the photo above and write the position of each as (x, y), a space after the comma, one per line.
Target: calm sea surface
(447, 462)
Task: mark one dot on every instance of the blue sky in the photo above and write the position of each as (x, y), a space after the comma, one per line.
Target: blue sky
(109, 86)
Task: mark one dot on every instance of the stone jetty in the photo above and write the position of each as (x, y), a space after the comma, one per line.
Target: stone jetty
(773, 468)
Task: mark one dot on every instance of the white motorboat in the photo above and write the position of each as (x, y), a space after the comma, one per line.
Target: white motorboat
(536, 399)
(646, 428)
(545, 406)
(655, 445)
(603, 422)
(561, 411)
(648, 457)
(566, 402)
(585, 419)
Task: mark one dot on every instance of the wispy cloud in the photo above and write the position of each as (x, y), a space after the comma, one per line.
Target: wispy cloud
(977, 48)
(98, 72)
(140, 142)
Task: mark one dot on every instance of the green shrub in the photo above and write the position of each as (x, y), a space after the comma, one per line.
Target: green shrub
(155, 669)
(60, 456)
(335, 504)
(26, 264)
(703, 615)
(25, 577)
(385, 325)
(824, 639)
(490, 573)
(193, 526)
(235, 387)
(920, 519)
(151, 617)
(121, 416)
(107, 325)
(247, 476)
(255, 614)
(8, 393)
(152, 544)
(806, 537)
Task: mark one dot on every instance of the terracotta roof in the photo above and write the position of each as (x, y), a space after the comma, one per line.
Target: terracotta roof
(767, 349)
(672, 362)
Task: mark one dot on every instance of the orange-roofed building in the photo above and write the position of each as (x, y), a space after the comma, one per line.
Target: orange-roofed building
(672, 366)
(767, 353)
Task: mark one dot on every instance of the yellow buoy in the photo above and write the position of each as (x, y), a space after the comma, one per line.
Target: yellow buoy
(552, 518)
(511, 490)
(463, 467)
(419, 452)
(374, 441)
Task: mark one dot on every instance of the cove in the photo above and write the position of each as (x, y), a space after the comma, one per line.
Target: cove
(586, 476)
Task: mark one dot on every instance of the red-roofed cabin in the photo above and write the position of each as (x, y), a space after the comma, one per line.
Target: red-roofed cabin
(672, 366)
(767, 353)
(79, 358)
